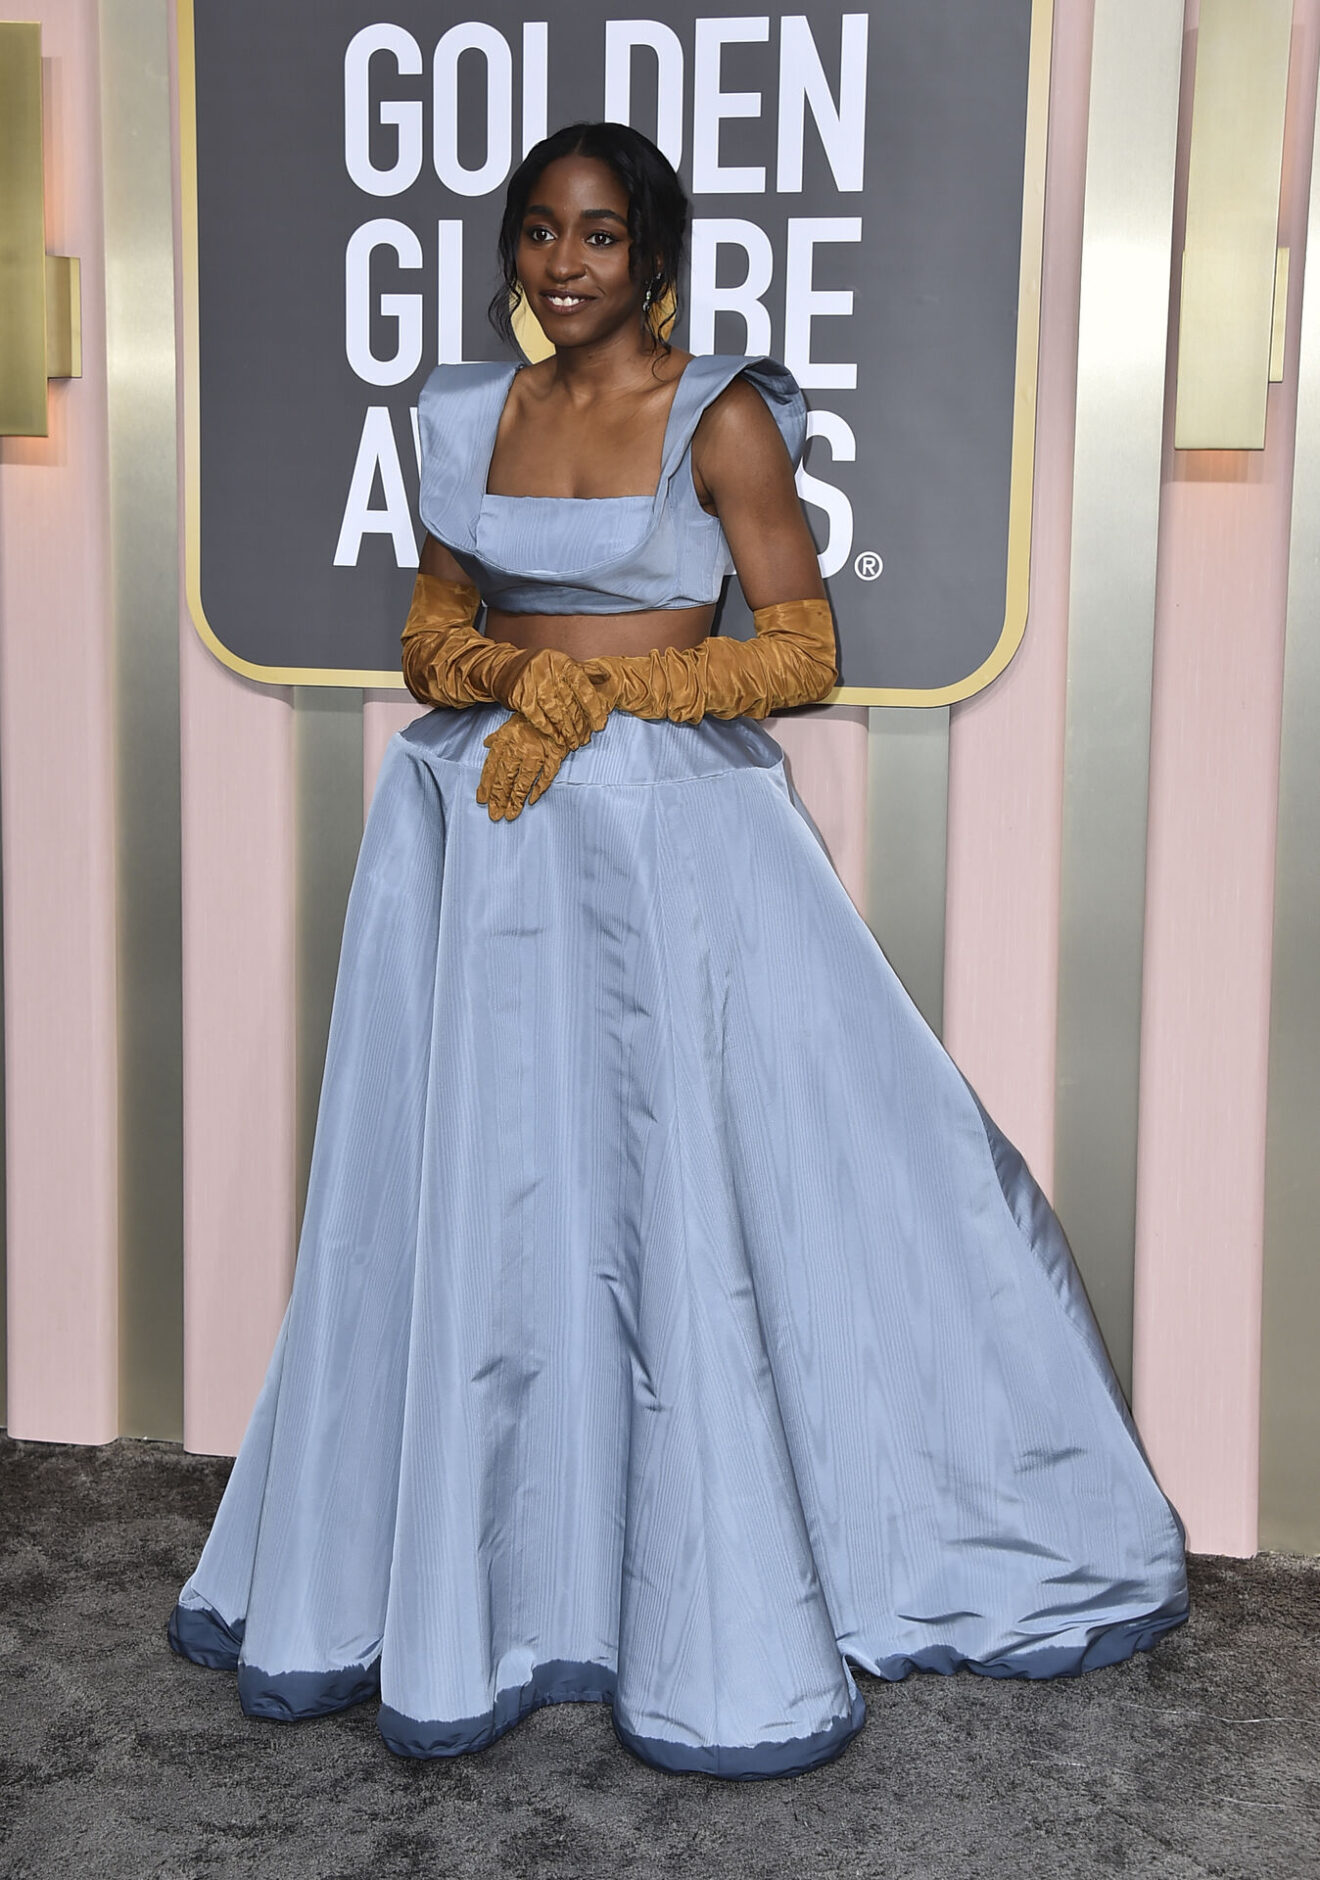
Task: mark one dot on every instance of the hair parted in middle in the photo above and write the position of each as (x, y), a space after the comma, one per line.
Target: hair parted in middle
(657, 214)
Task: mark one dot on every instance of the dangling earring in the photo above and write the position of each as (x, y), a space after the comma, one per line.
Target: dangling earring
(647, 298)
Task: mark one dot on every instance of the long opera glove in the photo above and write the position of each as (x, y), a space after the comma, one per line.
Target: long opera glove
(447, 662)
(790, 662)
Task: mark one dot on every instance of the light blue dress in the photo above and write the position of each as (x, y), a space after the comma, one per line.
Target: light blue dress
(671, 1325)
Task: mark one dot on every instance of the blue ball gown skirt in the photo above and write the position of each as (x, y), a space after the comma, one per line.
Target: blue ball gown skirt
(671, 1325)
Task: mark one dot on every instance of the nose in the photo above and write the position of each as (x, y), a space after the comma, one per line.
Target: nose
(564, 265)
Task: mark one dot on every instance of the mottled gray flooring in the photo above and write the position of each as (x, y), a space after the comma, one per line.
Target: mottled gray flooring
(118, 1759)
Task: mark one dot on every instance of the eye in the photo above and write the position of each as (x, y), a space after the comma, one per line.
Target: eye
(535, 233)
(601, 238)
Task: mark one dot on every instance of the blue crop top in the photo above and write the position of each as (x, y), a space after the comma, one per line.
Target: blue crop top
(583, 554)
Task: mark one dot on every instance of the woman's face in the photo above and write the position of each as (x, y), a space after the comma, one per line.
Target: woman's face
(573, 253)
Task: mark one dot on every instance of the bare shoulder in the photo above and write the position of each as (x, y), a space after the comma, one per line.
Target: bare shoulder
(670, 365)
(737, 438)
(532, 384)
(738, 415)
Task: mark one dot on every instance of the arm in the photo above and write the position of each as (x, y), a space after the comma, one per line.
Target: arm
(743, 469)
(447, 662)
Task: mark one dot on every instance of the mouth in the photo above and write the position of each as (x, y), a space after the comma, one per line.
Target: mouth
(565, 303)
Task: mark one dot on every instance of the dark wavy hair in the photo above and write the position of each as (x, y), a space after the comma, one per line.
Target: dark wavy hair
(657, 211)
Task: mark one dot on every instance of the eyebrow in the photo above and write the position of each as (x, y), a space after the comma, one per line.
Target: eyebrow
(588, 215)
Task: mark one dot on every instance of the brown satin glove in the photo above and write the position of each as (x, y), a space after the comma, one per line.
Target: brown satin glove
(790, 662)
(522, 765)
(447, 662)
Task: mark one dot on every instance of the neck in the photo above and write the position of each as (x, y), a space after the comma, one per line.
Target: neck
(605, 366)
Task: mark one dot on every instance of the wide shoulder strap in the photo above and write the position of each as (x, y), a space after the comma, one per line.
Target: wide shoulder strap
(458, 413)
(706, 376)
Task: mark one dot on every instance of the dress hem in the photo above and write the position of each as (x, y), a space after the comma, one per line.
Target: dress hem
(204, 1637)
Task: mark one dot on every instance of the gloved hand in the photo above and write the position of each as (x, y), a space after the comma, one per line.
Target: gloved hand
(447, 662)
(521, 767)
(555, 696)
(790, 662)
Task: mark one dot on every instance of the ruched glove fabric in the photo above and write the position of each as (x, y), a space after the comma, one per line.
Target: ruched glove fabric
(790, 662)
(447, 662)
(521, 767)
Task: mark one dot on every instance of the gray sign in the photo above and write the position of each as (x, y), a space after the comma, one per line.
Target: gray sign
(866, 201)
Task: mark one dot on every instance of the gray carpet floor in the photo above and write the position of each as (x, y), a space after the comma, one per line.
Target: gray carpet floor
(118, 1759)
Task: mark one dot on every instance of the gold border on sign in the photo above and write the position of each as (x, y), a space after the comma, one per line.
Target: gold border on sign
(192, 444)
(1022, 455)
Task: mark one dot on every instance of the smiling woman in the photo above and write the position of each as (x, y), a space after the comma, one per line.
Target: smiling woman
(671, 1325)
(612, 200)
(575, 261)
(594, 244)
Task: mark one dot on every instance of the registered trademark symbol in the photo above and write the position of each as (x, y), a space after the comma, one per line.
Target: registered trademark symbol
(868, 566)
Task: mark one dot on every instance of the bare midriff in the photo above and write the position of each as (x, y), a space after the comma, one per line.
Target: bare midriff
(587, 636)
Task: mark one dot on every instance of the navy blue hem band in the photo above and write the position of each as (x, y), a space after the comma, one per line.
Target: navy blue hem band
(289, 1696)
(203, 1636)
(198, 1633)
(1110, 1646)
(557, 1682)
(753, 1762)
(560, 1682)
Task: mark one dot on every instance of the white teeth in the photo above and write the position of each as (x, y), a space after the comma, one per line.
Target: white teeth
(566, 300)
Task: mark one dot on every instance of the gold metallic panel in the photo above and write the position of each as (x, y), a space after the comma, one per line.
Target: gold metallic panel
(1126, 261)
(1279, 329)
(141, 409)
(1290, 1397)
(22, 236)
(1228, 273)
(63, 317)
(907, 816)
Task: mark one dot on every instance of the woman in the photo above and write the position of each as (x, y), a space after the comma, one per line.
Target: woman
(671, 1325)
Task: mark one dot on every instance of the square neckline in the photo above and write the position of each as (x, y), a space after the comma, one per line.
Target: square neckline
(495, 496)
(456, 409)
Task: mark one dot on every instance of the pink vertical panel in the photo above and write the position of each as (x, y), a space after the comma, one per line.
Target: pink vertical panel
(826, 754)
(239, 1016)
(239, 1066)
(383, 713)
(1218, 686)
(1006, 745)
(57, 759)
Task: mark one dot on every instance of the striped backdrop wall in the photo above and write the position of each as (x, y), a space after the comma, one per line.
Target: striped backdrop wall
(1097, 878)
